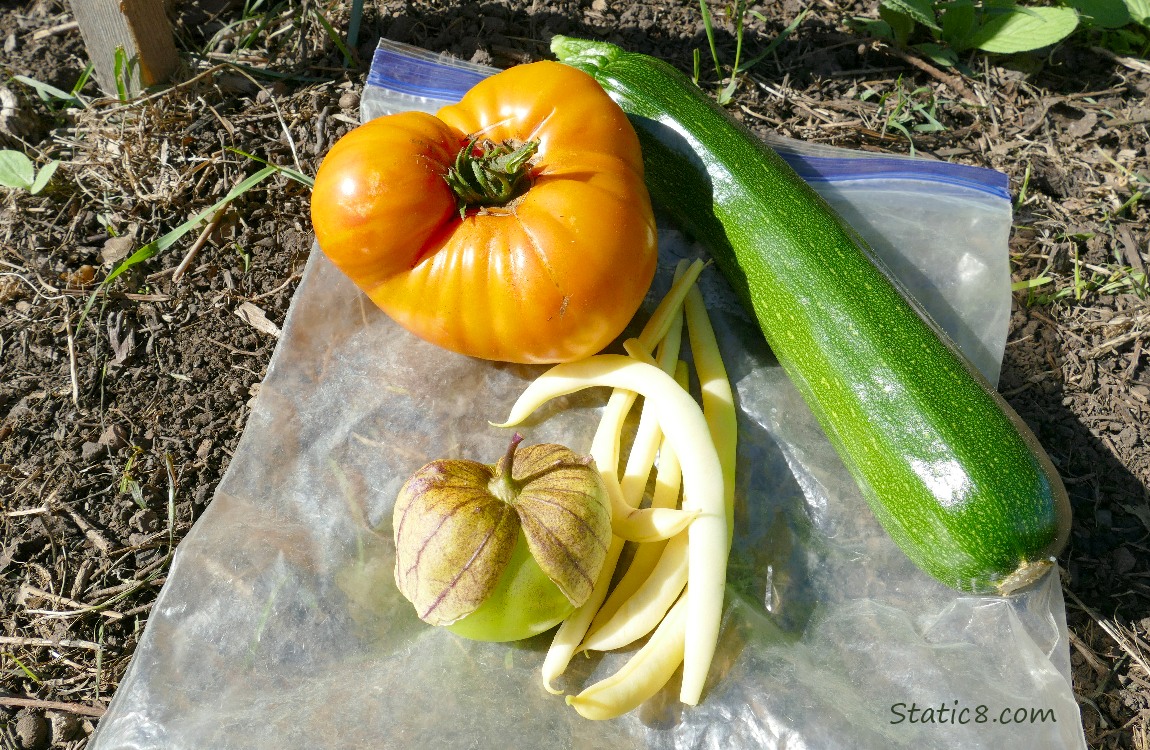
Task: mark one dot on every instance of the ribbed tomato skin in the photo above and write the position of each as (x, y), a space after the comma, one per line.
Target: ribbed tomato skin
(553, 276)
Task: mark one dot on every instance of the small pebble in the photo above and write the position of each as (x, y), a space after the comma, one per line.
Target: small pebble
(115, 437)
(145, 521)
(348, 100)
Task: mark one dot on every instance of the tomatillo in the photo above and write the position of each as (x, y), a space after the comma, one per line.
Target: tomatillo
(504, 552)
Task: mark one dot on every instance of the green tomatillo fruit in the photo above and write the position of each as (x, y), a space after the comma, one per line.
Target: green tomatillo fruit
(504, 552)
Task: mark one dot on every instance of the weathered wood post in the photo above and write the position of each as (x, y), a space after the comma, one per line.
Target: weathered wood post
(139, 27)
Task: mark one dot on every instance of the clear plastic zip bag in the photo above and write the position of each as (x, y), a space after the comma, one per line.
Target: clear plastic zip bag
(280, 624)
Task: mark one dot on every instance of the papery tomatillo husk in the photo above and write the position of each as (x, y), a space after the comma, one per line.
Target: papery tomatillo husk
(466, 531)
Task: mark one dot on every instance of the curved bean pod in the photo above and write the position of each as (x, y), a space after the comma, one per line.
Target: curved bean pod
(643, 675)
(687, 431)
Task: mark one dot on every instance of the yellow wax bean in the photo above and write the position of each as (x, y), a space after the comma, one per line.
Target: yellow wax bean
(642, 611)
(687, 431)
(718, 398)
(668, 481)
(661, 320)
(643, 675)
(647, 437)
(605, 444)
(571, 631)
(667, 318)
(643, 524)
(719, 408)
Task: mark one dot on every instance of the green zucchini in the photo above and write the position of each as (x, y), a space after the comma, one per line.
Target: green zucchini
(950, 471)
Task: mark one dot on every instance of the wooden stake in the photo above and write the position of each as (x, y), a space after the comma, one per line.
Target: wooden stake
(141, 29)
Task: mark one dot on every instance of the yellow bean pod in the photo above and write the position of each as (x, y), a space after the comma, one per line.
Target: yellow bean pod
(643, 675)
(571, 631)
(643, 524)
(605, 443)
(718, 398)
(642, 611)
(648, 435)
(666, 321)
(687, 431)
(668, 481)
(668, 309)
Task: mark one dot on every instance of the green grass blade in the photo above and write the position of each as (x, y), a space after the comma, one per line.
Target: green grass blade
(334, 36)
(774, 42)
(48, 92)
(24, 668)
(163, 243)
(294, 174)
(709, 27)
(121, 74)
(82, 81)
(353, 23)
(1030, 283)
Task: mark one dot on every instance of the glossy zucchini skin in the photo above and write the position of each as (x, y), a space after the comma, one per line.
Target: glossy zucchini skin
(950, 471)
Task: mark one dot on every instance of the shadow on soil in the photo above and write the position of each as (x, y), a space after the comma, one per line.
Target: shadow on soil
(1111, 514)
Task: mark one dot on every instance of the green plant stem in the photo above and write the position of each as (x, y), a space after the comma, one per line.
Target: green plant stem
(503, 485)
(488, 174)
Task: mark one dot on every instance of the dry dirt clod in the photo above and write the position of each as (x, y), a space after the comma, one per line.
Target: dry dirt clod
(32, 731)
(348, 100)
(65, 727)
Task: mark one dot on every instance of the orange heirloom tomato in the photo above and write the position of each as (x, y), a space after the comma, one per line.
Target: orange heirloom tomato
(512, 226)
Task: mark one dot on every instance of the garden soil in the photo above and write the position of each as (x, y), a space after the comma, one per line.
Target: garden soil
(117, 420)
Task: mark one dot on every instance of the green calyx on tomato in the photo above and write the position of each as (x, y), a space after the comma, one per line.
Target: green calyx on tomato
(502, 552)
(488, 174)
(556, 247)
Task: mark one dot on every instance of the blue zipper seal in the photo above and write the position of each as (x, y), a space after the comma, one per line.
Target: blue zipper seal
(837, 169)
(409, 70)
(416, 72)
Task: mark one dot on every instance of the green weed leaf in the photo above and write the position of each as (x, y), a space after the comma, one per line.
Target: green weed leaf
(939, 55)
(16, 170)
(901, 25)
(958, 24)
(44, 177)
(1106, 14)
(872, 27)
(920, 10)
(1139, 10)
(1025, 29)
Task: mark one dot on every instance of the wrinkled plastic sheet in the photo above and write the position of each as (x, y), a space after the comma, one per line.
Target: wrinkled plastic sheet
(280, 624)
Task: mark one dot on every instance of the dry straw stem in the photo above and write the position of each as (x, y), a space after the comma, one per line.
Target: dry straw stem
(45, 705)
(8, 640)
(1129, 642)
